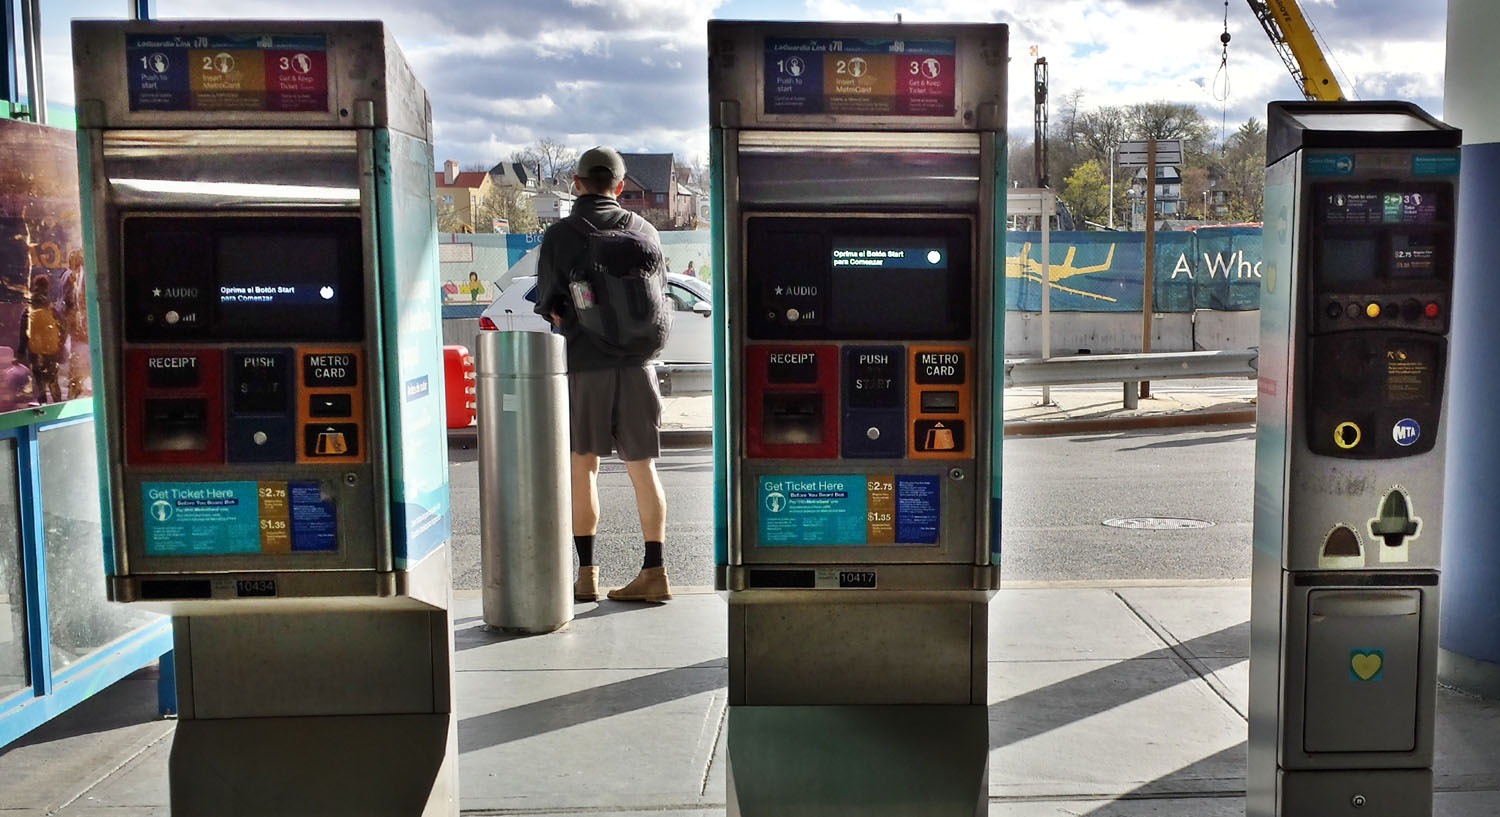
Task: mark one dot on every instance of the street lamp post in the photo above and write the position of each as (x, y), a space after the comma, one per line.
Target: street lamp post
(1111, 187)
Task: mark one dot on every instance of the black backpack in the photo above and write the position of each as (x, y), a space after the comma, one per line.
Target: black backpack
(618, 288)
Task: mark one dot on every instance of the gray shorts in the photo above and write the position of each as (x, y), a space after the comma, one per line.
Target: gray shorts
(615, 407)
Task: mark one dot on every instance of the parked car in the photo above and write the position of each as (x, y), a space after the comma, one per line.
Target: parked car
(691, 339)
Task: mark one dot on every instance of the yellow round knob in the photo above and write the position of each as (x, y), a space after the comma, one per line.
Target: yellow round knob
(1373, 310)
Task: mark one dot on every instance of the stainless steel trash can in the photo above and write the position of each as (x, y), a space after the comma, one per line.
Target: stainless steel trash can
(525, 506)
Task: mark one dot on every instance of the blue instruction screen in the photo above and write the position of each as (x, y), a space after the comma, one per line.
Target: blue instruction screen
(842, 510)
(219, 518)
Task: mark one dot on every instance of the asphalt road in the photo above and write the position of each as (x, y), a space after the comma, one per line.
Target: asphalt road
(1058, 493)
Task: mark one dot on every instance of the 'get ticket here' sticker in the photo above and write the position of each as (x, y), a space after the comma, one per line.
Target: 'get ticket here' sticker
(849, 510)
(227, 73)
(217, 518)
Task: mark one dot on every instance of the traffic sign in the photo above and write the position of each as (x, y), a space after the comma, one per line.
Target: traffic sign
(1133, 154)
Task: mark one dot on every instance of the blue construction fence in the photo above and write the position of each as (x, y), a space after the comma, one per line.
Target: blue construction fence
(1208, 268)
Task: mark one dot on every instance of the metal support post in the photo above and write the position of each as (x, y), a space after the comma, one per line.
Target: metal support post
(31, 23)
(1048, 207)
(1150, 276)
(525, 520)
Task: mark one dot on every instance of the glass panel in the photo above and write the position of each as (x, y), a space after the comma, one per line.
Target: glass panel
(82, 620)
(14, 674)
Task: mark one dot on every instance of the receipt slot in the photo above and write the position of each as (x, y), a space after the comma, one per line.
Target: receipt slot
(259, 212)
(857, 174)
(1350, 443)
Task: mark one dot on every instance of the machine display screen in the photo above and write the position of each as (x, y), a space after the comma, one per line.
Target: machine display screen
(892, 285)
(1349, 261)
(243, 278)
(859, 279)
(292, 276)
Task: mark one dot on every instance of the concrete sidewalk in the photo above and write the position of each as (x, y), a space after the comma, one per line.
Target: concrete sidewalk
(1124, 700)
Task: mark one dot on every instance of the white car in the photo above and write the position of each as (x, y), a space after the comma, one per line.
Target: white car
(691, 339)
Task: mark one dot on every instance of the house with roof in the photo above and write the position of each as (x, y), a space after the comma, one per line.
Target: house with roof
(651, 185)
(513, 175)
(1167, 198)
(552, 206)
(463, 192)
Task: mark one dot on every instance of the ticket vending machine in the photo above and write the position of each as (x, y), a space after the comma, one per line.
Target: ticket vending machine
(260, 222)
(1350, 442)
(858, 184)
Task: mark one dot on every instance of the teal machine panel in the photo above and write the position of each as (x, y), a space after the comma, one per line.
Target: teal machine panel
(261, 238)
(1351, 438)
(856, 177)
(261, 223)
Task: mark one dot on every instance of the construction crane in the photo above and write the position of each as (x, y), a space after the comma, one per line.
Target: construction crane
(1039, 94)
(1294, 41)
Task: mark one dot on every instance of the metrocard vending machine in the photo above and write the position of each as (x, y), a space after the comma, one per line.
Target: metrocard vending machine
(858, 171)
(260, 221)
(1350, 445)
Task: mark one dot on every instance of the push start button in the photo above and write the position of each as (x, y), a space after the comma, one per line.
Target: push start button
(1346, 435)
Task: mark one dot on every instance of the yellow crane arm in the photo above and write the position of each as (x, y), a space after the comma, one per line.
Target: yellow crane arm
(1294, 41)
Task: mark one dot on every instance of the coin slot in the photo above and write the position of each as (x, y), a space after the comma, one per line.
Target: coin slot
(1346, 435)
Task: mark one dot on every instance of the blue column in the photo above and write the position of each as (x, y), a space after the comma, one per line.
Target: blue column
(1470, 657)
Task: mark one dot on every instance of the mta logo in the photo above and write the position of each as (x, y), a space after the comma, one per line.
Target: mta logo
(1406, 432)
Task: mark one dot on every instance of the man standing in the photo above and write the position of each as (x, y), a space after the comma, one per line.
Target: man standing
(613, 400)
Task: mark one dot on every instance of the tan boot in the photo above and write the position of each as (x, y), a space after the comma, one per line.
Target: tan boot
(650, 585)
(587, 586)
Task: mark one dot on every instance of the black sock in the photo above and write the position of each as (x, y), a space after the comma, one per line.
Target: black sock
(653, 555)
(585, 547)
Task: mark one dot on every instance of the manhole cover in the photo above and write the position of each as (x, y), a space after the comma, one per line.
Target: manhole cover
(1157, 523)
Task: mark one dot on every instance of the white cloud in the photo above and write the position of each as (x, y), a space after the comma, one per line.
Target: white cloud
(506, 72)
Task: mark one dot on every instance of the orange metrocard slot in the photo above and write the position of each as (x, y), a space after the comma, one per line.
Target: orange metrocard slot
(940, 403)
(331, 425)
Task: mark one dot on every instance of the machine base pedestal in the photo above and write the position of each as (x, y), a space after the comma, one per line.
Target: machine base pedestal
(1355, 793)
(830, 761)
(368, 765)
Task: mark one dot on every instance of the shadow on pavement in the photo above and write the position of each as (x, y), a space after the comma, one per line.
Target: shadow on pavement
(1187, 443)
(1161, 788)
(1035, 713)
(594, 703)
(129, 702)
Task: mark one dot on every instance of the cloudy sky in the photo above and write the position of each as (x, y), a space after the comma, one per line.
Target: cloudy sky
(503, 73)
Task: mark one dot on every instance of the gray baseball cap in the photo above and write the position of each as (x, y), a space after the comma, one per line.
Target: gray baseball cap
(598, 160)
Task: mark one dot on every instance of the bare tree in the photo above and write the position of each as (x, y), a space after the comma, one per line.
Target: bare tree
(1166, 120)
(1101, 131)
(551, 160)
